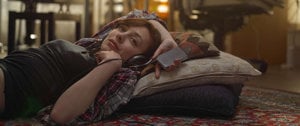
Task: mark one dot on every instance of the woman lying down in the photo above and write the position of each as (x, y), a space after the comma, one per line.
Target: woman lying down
(81, 82)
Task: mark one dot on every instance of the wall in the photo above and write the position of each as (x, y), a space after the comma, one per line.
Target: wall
(262, 37)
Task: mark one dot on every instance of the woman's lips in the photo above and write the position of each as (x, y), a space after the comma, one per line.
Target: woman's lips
(112, 44)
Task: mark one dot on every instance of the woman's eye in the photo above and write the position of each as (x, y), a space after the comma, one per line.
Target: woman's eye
(133, 41)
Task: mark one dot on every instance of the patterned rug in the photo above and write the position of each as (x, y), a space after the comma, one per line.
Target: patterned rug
(257, 107)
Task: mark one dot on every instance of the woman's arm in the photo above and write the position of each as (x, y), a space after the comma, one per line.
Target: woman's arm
(165, 35)
(167, 43)
(77, 98)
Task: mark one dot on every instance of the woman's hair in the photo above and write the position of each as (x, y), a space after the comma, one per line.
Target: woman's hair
(154, 33)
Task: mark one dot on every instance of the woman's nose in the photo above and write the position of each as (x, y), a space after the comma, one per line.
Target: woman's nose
(120, 37)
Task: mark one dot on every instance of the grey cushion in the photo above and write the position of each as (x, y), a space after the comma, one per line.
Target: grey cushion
(203, 100)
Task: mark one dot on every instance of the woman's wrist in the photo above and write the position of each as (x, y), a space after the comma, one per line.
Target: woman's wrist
(110, 65)
(118, 61)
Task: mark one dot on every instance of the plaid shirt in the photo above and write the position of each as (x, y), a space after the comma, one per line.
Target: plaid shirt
(115, 93)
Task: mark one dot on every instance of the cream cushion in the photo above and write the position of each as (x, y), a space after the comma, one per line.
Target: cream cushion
(223, 69)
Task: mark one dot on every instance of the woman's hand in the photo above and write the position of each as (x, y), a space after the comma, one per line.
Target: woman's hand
(103, 56)
(165, 46)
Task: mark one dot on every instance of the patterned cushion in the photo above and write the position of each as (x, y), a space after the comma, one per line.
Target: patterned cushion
(200, 47)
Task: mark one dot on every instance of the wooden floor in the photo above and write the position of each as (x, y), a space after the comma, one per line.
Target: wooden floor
(279, 78)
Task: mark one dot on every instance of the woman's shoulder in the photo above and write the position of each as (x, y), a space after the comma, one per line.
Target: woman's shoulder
(58, 42)
(62, 46)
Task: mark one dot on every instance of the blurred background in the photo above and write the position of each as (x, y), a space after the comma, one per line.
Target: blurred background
(265, 30)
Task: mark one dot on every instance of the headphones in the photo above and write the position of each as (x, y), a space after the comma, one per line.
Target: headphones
(137, 62)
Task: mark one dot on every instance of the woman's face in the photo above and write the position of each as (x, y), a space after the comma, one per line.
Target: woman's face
(127, 41)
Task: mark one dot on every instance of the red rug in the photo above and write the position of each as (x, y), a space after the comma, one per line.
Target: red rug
(256, 107)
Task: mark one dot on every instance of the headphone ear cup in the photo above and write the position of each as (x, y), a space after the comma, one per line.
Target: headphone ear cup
(136, 60)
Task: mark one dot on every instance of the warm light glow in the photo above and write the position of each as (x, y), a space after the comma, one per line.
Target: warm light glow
(293, 12)
(118, 8)
(162, 8)
(195, 11)
(162, 1)
(194, 17)
(33, 36)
